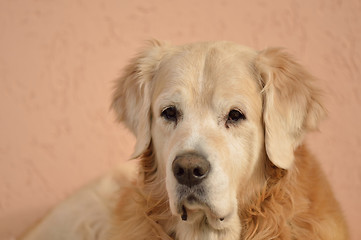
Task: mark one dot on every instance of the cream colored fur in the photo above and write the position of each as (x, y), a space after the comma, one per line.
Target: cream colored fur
(263, 183)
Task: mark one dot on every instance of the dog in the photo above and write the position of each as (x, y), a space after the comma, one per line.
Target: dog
(219, 153)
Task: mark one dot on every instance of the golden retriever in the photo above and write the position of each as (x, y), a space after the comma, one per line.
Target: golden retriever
(220, 151)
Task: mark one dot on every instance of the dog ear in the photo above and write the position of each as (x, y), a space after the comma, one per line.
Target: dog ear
(132, 95)
(291, 105)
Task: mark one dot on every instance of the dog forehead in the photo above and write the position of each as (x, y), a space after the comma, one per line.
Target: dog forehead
(206, 70)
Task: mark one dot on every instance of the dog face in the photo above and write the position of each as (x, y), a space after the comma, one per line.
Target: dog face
(206, 128)
(213, 113)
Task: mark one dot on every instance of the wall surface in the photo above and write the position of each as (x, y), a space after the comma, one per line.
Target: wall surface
(58, 59)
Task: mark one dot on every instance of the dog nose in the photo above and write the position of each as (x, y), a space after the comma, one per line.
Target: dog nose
(190, 169)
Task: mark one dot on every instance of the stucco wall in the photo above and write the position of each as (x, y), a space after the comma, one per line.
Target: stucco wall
(58, 60)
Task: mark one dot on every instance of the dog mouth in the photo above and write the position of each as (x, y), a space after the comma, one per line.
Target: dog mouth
(193, 208)
(193, 205)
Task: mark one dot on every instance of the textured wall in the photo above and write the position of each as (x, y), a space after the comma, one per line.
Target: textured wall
(57, 60)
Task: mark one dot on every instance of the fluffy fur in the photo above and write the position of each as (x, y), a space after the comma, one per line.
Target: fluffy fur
(263, 183)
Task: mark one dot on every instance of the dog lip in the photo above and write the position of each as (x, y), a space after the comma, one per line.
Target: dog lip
(184, 215)
(192, 204)
(190, 212)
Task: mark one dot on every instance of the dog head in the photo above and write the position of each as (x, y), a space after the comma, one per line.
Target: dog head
(213, 113)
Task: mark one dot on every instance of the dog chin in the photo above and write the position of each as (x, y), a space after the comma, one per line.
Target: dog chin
(193, 209)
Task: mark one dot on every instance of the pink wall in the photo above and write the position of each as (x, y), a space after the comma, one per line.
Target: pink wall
(58, 58)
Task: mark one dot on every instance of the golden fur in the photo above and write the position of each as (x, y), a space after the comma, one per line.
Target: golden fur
(292, 201)
(263, 183)
(291, 205)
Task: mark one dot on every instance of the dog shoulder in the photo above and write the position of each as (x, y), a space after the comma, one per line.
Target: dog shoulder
(296, 202)
(320, 212)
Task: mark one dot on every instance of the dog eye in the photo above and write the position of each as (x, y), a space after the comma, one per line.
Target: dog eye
(170, 114)
(234, 116)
